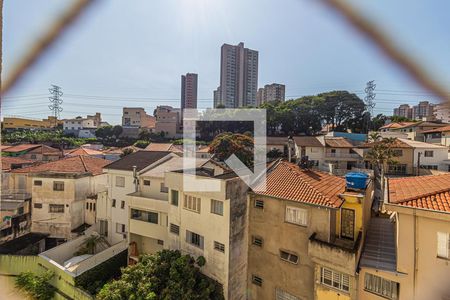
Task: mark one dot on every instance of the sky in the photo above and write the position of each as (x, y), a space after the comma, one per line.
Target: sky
(133, 53)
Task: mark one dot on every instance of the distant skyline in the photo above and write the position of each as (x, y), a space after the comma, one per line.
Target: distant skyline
(133, 55)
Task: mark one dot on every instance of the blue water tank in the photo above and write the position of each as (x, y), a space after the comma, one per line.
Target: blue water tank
(356, 180)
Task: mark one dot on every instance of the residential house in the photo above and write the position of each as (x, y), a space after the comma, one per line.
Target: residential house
(279, 143)
(165, 147)
(414, 130)
(406, 156)
(35, 152)
(122, 179)
(420, 209)
(59, 192)
(211, 224)
(439, 136)
(83, 127)
(304, 241)
(149, 207)
(85, 151)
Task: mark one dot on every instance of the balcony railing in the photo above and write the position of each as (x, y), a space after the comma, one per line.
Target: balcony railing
(19, 194)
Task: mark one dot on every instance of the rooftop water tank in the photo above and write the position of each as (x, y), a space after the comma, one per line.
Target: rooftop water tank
(356, 180)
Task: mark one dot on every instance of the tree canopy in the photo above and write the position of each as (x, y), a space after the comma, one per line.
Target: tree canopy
(165, 275)
(226, 144)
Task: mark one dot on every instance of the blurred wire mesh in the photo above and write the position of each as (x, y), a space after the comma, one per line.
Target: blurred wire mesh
(364, 26)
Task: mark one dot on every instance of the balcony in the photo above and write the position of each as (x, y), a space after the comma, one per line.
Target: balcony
(342, 156)
(19, 194)
(342, 254)
(139, 200)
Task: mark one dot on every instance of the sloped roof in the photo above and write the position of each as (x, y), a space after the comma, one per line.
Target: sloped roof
(21, 147)
(163, 147)
(428, 192)
(7, 162)
(440, 129)
(140, 159)
(44, 149)
(337, 142)
(172, 164)
(69, 165)
(287, 181)
(307, 141)
(396, 125)
(4, 147)
(84, 151)
(32, 148)
(417, 144)
(397, 143)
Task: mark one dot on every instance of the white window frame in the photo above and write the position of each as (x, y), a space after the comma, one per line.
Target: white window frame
(217, 207)
(296, 215)
(120, 181)
(443, 245)
(283, 295)
(192, 203)
(337, 279)
(382, 287)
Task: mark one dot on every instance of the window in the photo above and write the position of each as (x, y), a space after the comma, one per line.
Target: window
(334, 279)
(56, 208)
(87, 205)
(257, 241)
(174, 197)
(194, 239)
(33, 156)
(146, 216)
(289, 257)
(397, 152)
(163, 188)
(296, 215)
(120, 228)
(380, 286)
(429, 167)
(283, 295)
(93, 206)
(161, 242)
(113, 202)
(443, 245)
(217, 207)
(256, 280)
(219, 246)
(37, 205)
(175, 229)
(120, 181)
(192, 203)
(58, 185)
(259, 203)
(428, 153)
(122, 204)
(104, 227)
(398, 169)
(147, 182)
(38, 182)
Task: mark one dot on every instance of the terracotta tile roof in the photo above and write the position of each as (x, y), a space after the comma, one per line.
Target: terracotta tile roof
(8, 162)
(204, 150)
(84, 151)
(4, 147)
(428, 192)
(396, 125)
(337, 142)
(44, 149)
(288, 181)
(140, 159)
(307, 141)
(441, 129)
(164, 147)
(398, 143)
(21, 147)
(75, 164)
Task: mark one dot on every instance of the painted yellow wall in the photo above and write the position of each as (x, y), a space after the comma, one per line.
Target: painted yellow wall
(329, 294)
(13, 122)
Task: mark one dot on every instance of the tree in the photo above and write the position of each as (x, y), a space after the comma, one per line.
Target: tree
(165, 275)
(117, 131)
(226, 144)
(400, 119)
(381, 154)
(37, 286)
(378, 121)
(126, 151)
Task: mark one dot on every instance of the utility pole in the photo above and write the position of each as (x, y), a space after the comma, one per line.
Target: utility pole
(418, 163)
(55, 102)
(370, 101)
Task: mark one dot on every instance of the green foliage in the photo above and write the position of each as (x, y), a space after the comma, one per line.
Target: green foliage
(378, 121)
(126, 152)
(165, 275)
(381, 152)
(201, 261)
(400, 119)
(94, 279)
(141, 144)
(275, 153)
(36, 286)
(55, 138)
(226, 144)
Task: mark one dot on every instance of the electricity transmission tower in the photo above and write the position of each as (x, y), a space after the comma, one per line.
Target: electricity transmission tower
(55, 102)
(370, 101)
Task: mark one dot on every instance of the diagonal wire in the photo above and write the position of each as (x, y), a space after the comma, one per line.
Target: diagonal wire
(43, 43)
(387, 46)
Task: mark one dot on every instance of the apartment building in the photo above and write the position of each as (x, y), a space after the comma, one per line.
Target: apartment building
(83, 127)
(149, 208)
(189, 90)
(270, 93)
(304, 241)
(168, 121)
(406, 156)
(211, 224)
(424, 109)
(238, 76)
(404, 110)
(419, 270)
(12, 123)
(34, 152)
(122, 174)
(137, 117)
(59, 192)
(442, 112)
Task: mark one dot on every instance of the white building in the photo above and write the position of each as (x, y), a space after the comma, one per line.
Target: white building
(83, 127)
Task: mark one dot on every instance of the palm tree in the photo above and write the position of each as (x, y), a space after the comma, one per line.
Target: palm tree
(381, 155)
(374, 136)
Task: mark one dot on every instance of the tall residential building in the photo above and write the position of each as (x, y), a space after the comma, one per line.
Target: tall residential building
(422, 110)
(238, 76)
(189, 90)
(137, 117)
(270, 92)
(168, 120)
(216, 96)
(403, 110)
(442, 112)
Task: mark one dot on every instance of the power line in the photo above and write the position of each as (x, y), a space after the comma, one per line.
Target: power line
(55, 101)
